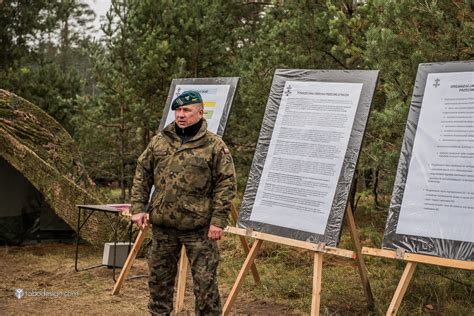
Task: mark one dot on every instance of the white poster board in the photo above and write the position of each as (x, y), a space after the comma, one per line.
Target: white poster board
(306, 156)
(306, 153)
(439, 194)
(431, 209)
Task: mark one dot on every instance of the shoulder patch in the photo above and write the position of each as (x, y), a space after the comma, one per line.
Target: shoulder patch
(226, 150)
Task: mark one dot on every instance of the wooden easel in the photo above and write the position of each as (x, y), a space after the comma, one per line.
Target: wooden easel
(319, 250)
(412, 260)
(182, 268)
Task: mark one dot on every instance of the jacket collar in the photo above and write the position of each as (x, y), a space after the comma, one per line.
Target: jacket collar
(189, 132)
(170, 134)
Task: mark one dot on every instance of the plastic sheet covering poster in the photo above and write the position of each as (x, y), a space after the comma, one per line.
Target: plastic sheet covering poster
(217, 95)
(435, 209)
(305, 153)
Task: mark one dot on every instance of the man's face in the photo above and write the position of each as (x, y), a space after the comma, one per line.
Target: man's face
(188, 115)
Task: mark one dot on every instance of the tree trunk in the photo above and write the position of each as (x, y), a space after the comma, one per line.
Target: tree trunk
(122, 153)
(352, 192)
(375, 189)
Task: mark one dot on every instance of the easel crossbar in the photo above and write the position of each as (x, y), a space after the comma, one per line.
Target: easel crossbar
(414, 257)
(292, 242)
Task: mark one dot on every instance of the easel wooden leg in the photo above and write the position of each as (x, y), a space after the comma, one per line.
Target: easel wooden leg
(129, 262)
(240, 278)
(317, 276)
(183, 265)
(182, 274)
(360, 260)
(401, 288)
(245, 245)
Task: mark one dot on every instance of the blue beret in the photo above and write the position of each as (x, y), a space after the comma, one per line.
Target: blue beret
(185, 98)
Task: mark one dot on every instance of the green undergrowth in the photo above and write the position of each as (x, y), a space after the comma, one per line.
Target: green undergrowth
(287, 273)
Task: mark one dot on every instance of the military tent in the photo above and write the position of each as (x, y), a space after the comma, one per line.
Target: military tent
(24, 213)
(42, 178)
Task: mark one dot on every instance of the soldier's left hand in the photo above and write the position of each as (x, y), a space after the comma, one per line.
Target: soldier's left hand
(215, 232)
(141, 219)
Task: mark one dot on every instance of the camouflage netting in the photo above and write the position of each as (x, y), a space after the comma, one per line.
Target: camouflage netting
(39, 147)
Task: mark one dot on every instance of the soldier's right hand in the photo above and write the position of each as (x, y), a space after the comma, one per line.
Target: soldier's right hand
(141, 219)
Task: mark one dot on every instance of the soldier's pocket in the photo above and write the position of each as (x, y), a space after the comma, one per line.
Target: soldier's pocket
(161, 160)
(196, 211)
(197, 175)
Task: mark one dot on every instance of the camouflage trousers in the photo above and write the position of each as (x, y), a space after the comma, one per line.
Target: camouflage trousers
(203, 255)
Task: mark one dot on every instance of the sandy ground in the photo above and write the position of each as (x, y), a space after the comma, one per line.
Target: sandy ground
(45, 273)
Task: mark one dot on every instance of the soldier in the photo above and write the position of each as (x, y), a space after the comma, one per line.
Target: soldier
(194, 178)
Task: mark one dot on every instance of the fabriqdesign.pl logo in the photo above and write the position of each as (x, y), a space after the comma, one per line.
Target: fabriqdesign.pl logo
(19, 293)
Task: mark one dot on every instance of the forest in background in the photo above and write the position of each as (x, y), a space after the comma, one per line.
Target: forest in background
(109, 93)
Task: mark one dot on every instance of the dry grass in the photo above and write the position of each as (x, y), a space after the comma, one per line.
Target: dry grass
(50, 268)
(286, 275)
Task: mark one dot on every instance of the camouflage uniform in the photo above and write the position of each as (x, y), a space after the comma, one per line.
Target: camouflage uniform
(194, 184)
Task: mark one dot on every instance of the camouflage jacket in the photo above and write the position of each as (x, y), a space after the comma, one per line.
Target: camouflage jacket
(194, 181)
